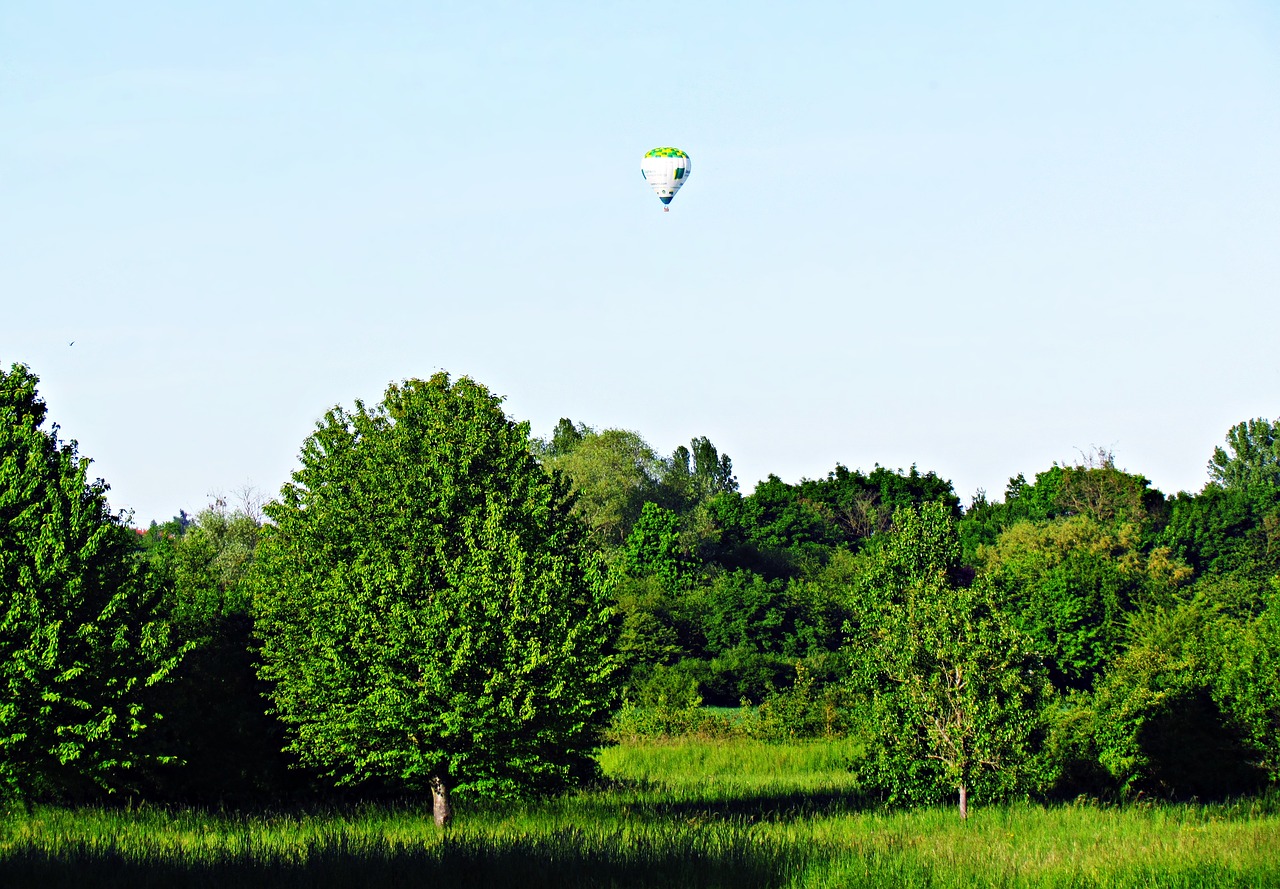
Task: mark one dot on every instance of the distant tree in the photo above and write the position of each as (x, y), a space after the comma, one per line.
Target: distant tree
(1100, 491)
(697, 473)
(784, 530)
(428, 617)
(821, 605)
(1227, 531)
(861, 505)
(743, 611)
(612, 473)
(1035, 501)
(158, 532)
(1072, 583)
(653, 630)
(1093, 488)
(80, 645)
(652, 573)
(780, 517)
(1251, 458)
(564, 439)
(653, 548)
(227, 748)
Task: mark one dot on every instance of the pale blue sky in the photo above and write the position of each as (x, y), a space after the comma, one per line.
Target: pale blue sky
(978, 238)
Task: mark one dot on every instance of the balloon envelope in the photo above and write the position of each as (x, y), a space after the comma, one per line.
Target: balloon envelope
(665, 169)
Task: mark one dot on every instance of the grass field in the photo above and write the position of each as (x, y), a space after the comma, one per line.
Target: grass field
(677, 814)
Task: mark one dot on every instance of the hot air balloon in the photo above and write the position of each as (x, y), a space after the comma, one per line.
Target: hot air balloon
(665, 169)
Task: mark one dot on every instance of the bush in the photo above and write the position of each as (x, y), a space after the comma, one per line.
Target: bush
(806, 710)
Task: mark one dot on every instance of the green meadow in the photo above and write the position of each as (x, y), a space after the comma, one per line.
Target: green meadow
(678, 813)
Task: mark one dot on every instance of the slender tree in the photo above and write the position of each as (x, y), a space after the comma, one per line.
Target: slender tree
(960, 697)
(954, 692)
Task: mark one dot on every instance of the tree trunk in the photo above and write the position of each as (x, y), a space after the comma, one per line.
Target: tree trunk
(440, 807)
(964, 803)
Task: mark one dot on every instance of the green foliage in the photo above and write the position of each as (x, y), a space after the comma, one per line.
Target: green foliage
(954, 691)
(667, 689)
(1094, 489)
(80, 646)
(806, 710)
(225, 746)
(662, 701)
(653, 630)
(697, 473)
(819, 605)
(746, 630)
(1254, 458)
(1248, 683)
(957, 702)
(566, 436)
(751, 630)
(923, 545)
(666, 702)
(743, 673)
(1070, 584)
(741, 610)
(1109, 496)
(425, 606)
(783, 530)
(210, 563)
(777, 517)
(613, 474)
(861, 505)
(654, 548)
(1227, 531)
(1156, 720)
(158, 535)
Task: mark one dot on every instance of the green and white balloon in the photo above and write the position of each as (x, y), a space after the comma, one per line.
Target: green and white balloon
(665, 169)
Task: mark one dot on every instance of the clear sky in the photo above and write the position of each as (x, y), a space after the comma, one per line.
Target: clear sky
(976, 237)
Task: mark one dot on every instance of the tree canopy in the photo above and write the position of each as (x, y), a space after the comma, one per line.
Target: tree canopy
(427, 612)
(81, 647)
(1251, 458)
(439, 603)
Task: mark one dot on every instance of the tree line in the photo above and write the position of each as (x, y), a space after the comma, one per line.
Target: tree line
(439, 603)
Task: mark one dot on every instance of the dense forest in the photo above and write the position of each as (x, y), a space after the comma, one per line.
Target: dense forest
(440, 602)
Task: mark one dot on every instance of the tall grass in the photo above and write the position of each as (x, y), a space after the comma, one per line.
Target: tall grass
(674, 814)
(381, 847)
(1026, 845)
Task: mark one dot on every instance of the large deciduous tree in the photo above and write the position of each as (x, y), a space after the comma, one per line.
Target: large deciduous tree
(427, 613)
(80, 647)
